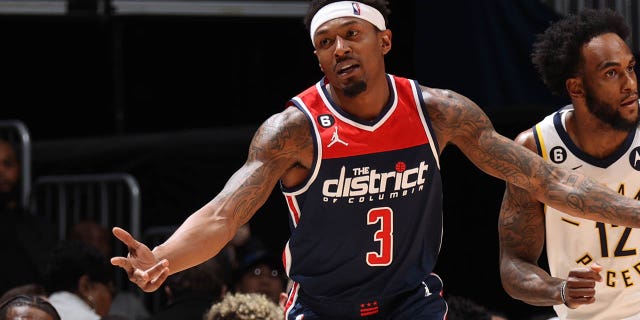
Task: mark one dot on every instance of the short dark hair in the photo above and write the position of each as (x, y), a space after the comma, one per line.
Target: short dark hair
(70, 260)
(462, 308)
(27, 300)
(315, 5)
(203, 278)
(252, 260)
(557, 51)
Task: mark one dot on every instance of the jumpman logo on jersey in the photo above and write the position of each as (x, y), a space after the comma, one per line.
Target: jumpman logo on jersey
(335, 139)
(426, 290)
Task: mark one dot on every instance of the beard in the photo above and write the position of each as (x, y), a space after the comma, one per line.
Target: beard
(355, 88)
(606, 113)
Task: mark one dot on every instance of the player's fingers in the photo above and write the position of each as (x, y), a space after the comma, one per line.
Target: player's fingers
(157, 282)
(150, 287)
(595, 267)
(140, 276)
(580, 292)
(161, 277)
(583, 274)
(139, 279)
(126, 238)
(156, 271)
(579, 296)
(576, 283)
(121, 262)
(577, 301)
(581, 287)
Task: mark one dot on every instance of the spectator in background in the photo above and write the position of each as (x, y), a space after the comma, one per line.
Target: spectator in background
(93, 234)
(9, 177)
(31, 289)
(79, 280)
(245, 306)
(125, 304)
(191, 292)
(25, 238)
(231, 256)
(259, 272)
(244, 243)
(27, 307)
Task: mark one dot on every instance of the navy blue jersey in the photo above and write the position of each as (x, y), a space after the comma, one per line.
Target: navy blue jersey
(367, 222)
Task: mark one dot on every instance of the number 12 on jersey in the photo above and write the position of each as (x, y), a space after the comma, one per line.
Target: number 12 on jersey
(620, 250)
(384, 217)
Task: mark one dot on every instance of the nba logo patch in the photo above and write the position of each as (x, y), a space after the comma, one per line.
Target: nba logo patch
(356, 8)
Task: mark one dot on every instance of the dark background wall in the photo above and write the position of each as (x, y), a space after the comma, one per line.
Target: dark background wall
(174, 100)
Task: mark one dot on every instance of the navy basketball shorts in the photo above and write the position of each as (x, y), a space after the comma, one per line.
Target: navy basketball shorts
(424, 302)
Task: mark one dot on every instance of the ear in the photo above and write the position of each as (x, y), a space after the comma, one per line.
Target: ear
(575, 88)
(385, 41)
(316, 53)
(84, 285)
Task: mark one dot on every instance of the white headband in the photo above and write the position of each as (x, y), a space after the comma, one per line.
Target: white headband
(347, 9)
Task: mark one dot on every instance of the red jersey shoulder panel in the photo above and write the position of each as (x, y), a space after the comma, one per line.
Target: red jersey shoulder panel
(342, 135)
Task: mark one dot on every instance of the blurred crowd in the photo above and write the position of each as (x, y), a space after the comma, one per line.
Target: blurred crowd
(72, 278)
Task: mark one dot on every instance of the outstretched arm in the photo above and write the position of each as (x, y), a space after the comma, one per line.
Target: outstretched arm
(458, 120)
(275, 149)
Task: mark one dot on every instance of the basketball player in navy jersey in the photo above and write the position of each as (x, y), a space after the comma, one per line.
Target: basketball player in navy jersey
(357, 158)
(594, 266)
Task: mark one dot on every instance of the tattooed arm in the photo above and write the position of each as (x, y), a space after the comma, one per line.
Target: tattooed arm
(459, 121)
(521, 228)
(281, 147)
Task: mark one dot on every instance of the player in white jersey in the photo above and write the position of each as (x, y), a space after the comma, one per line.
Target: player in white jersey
(594, 267)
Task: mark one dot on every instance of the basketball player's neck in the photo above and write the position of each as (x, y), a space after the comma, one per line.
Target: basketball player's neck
(592, 136)
(366, 105)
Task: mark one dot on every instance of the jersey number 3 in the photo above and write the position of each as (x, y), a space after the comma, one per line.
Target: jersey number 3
(384, 235)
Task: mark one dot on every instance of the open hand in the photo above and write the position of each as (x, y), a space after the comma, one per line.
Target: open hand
(141, 265)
